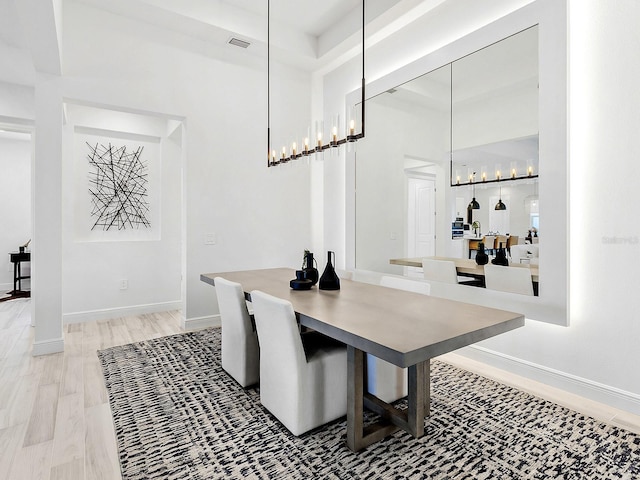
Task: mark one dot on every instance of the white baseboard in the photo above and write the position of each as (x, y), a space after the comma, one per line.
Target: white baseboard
(586, 388)
(197, 323)
(108, 313)
(6, 287)
(47, 347)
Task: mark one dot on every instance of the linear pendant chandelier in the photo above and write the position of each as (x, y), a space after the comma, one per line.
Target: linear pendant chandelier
(334, 138)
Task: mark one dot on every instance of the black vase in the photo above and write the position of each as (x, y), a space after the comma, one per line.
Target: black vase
(310, 272)
(481, 257)
(501, 257)
(329, 279)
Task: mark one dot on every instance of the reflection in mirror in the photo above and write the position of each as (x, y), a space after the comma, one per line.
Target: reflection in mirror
(390, 177)
(478, 114)
(398, 166)
(494, 104)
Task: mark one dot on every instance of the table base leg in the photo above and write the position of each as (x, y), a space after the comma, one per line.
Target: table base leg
(392, 419)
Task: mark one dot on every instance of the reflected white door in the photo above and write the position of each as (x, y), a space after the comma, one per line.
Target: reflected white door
(421, 217)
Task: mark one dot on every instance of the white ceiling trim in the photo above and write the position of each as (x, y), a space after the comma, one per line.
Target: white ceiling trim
(43, 32)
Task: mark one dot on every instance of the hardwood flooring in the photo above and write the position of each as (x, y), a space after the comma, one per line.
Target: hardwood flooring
(55, 422)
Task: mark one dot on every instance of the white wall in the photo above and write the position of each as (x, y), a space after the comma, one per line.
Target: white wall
(600, 346)
(149, 259)
(15, 195)
(596, 355)
(259, 216)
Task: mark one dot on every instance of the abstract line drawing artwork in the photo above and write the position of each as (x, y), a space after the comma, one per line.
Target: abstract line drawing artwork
(118, 187)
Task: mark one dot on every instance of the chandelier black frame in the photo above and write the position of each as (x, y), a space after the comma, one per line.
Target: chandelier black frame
(272, 159)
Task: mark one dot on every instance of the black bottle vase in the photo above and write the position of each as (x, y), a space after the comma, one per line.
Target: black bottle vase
(310, 271)
(501, 257)
(329, 279)
(481, 257)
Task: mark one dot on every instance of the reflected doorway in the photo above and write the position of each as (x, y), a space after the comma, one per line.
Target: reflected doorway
(421, 212)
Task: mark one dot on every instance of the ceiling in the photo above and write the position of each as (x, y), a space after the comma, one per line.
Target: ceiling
(309, 16)
(308, 34)
(11, 32)
(304, 33)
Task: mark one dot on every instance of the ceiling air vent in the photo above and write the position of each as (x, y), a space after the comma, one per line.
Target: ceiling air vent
(238, 43)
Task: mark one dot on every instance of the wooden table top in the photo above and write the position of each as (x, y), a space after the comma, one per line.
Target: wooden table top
(463, 265)
(401, 327)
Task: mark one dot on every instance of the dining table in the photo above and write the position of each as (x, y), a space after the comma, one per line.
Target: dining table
(403, 328)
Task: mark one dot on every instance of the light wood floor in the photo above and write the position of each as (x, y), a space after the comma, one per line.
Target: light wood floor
(55, 422)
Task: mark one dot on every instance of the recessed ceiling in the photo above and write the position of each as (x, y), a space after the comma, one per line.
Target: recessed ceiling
(312, 17)
(307, 34)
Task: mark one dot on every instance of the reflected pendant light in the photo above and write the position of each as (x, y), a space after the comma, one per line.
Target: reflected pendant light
(473, 204)
(500, 205)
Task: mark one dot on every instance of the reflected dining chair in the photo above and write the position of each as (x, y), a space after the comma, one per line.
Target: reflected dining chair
(490, 244)
(443, 271)
(501, 241)
(508, 279)
(511, 240)
(240, 350)
(303, 383)
(385, 380)
(402, 283)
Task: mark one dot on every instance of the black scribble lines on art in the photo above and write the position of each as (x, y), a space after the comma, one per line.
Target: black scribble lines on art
(118, 187)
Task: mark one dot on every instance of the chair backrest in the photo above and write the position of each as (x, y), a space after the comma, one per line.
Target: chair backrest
(240, 350)
(501, 239)
(512, 240)
(524, 251)
(401, 283)
(489, 242)
(508, 279)
(233, 308)
(281, 351)
(439, 270)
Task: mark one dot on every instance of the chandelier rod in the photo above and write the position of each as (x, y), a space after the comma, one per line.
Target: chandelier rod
(271, 161)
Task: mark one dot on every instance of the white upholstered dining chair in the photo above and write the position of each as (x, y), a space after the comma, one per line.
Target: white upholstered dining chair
(508, 279)
(240, 350)
(401, 283)
(439, 270)
(445, 271)
(302, 384)
(385, 380)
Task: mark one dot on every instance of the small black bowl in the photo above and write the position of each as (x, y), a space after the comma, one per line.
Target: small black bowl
(303, 284)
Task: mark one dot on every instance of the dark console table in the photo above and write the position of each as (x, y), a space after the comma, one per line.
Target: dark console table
(17, 259)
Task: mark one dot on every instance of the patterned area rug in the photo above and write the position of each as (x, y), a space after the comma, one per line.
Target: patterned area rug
(178, 415)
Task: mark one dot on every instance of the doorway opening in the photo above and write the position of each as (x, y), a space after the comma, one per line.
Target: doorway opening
(16, 154)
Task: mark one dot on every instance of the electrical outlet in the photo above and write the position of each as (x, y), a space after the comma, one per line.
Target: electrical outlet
(210, 239)
(124, 284)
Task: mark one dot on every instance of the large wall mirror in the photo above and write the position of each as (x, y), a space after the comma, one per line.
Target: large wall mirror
(487, 123)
